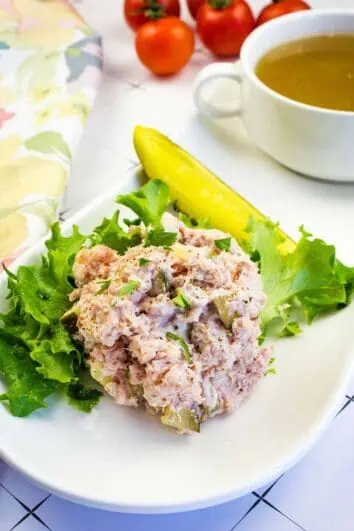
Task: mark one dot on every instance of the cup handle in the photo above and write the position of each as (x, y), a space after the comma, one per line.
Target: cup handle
(210, 73)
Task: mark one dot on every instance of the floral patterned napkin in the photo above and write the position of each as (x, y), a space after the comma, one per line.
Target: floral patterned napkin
(50, 67)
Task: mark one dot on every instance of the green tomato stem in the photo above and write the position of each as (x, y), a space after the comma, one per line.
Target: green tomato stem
(153, 10)
(220, 4)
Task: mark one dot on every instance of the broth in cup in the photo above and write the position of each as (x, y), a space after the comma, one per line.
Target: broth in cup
(296, 97)
(317, 70)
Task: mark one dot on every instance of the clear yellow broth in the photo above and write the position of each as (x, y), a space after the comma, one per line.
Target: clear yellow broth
(315, 70)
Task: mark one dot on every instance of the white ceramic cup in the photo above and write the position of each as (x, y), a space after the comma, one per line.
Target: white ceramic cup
(309, 140)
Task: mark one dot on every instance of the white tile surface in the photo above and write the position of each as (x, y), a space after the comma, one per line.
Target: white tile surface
(350, 389)
(3, 469)
(317, 494)
(25, 491)
(66, 516)
(266, 488)
(30, 524)
(10, 510)
(264, 518)
(95, 168)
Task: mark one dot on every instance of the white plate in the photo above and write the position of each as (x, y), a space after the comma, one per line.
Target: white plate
(122, 459)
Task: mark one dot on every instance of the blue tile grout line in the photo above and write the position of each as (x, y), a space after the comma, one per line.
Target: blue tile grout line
(259, 498)
(30, 511)
(350, 400)
(262, 498)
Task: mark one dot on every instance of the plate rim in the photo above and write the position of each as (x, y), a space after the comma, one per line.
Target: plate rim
(303, 446)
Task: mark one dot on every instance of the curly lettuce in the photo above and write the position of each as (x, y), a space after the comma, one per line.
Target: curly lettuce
(26, 388)
(149, 202)
(38, 353)
(300, 285)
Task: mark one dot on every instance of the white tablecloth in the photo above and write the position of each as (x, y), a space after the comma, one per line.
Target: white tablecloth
(317, 494)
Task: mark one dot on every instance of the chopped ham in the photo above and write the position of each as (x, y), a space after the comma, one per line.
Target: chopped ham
(184, 338)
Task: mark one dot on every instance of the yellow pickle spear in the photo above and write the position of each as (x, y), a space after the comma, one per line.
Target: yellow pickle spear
(198, 192)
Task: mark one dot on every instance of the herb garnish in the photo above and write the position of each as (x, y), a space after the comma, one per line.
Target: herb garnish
(183, 344)
(223, 244)
(181, 300)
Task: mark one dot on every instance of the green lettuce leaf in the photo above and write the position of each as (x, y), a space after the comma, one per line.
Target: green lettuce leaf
(53, 365)
(132, 222)
(26, 388)
(83, 398)
(41, 291)
(201, 223)
(160, 238)
(149, 202)
(62, 251)
(111, 234)
(70, 245)
(33, 327)
(56, 355)
(303, 284)
(37, 354)
(39, 295)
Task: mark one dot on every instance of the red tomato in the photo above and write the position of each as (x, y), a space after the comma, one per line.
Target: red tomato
(193, 6)
(279, 9)
(165, 46)
(138, 12)
(223, 29)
